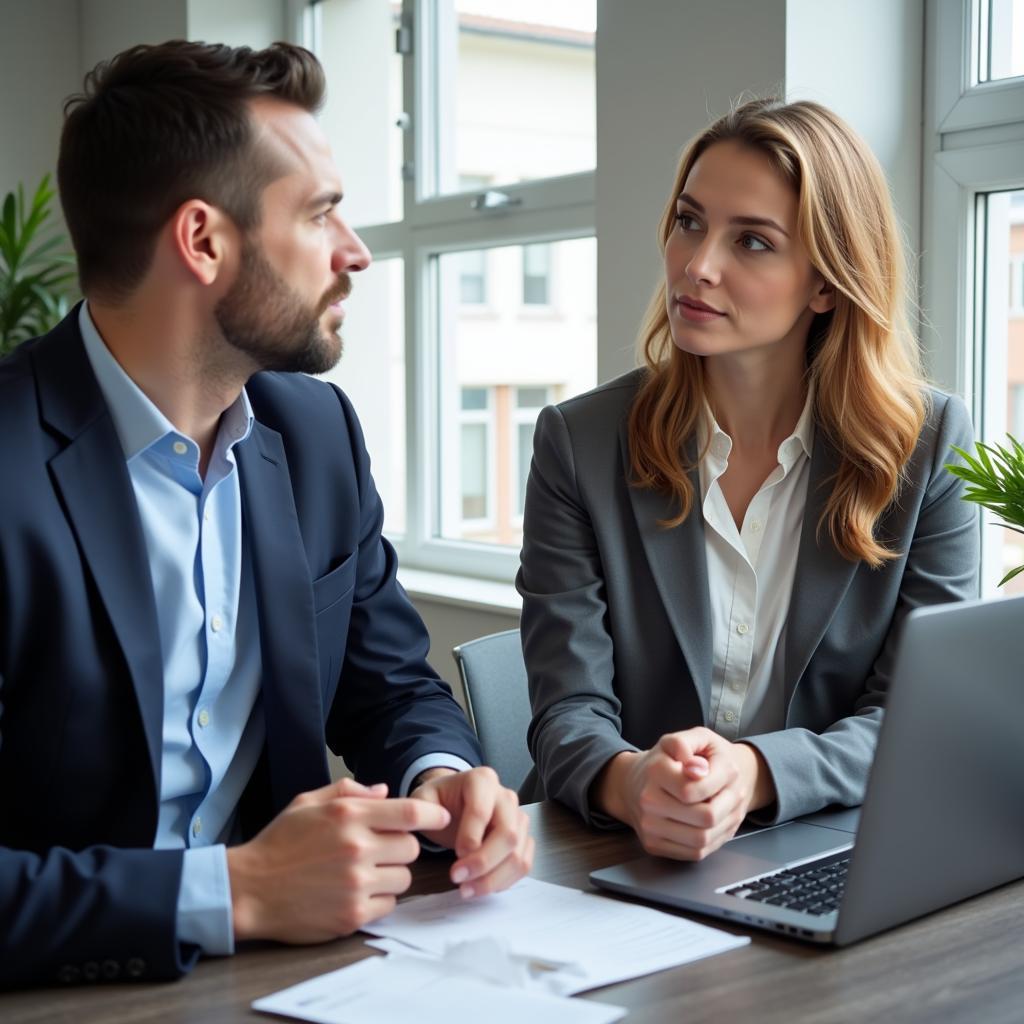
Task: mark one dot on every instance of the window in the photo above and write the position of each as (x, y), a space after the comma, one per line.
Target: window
(1001, 39)
(536, 275)
(466, 180)
(972, 287)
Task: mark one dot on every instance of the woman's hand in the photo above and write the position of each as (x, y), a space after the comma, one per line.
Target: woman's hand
(688, 794)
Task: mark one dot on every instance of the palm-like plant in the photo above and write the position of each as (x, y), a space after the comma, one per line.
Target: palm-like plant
(995, 481)
(34, 268)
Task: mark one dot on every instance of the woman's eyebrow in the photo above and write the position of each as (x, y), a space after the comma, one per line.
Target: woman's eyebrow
(765, 222)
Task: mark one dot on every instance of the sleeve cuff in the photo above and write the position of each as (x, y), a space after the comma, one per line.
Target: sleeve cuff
(421, 764)
(204, 901)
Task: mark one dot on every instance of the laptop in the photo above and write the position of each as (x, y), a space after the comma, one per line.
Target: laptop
(943, 815)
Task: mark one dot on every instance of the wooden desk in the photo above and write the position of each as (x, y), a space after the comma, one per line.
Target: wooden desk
(963, 964)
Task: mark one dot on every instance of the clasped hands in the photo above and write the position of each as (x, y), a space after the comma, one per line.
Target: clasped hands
(688, 794)
(337, 858)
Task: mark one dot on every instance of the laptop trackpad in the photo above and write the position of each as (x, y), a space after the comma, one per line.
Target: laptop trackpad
(793, 841)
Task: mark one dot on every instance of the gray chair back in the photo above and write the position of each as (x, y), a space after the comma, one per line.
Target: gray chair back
(494, 676)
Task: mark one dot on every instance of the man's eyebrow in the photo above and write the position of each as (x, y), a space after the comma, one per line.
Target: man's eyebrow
(765, 222)
(325, 199)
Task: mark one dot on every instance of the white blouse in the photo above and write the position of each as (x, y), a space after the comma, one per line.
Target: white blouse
(750, 578)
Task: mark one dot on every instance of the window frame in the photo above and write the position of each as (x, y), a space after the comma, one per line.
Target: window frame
(546, 210)
(974, 145)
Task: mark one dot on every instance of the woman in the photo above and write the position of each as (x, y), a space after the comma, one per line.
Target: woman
(720, 546)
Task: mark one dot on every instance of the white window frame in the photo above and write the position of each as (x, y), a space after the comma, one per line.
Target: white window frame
(974, 144)
(549, 210)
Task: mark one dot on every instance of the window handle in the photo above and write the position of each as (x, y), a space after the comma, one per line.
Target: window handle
(492, 200)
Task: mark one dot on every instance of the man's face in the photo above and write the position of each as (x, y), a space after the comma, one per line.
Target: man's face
(284, 307)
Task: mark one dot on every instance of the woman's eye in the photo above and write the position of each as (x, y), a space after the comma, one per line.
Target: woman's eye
(688, 222)
(754, 244)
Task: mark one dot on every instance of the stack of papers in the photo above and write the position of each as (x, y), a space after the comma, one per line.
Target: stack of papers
(537, 943)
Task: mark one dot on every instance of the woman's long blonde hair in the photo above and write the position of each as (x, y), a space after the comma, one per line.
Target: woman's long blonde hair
(870, 396)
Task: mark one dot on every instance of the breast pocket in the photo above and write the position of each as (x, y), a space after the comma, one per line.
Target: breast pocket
(332, 602)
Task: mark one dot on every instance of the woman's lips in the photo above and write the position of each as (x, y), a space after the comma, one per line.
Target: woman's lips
(696, 312)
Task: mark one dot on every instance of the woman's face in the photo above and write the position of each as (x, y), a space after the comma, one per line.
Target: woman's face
(737, 275)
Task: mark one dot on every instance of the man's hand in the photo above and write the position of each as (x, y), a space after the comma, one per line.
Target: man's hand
(688, 794)
(330, 862)
(488, 831)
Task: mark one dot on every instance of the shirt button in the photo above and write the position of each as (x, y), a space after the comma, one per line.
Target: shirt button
(206, 515)
(729, 716)
(197, 826)
(204, 718)
(755, 526)
(215, 623)
(743, 629)
(735, 687)
(180, 447)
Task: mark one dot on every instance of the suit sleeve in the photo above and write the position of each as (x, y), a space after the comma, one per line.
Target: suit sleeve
(392, 709)
(813, 769)
(577, 725)
(99, 914)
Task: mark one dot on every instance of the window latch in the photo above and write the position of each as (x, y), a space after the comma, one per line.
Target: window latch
(493, 200)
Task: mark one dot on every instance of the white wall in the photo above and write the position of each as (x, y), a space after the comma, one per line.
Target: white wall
(39, 67)
(109, 26)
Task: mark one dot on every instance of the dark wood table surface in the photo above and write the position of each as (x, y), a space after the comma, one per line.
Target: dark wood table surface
(965, 963)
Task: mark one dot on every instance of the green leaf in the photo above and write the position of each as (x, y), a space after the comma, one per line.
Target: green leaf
(1010, 575)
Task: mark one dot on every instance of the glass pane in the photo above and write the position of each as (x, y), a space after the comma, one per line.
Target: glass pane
(473, 278)
(474, 398)
(521, 362)
(372, 373)
(515, 91)
(356, 45)
(474, 471)
(531, 398)
(1002, 367)
(1005, 39)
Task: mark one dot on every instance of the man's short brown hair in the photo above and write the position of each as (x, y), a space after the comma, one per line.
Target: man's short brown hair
(157, 126)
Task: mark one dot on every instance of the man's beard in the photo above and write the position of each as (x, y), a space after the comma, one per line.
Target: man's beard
(264, 318)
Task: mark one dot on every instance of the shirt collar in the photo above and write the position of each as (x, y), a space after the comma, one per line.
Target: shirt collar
(138, 422)
(800, 441)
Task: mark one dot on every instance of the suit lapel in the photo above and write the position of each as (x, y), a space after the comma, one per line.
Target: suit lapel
(822, 574)
(92, 477)
(678, 564)
(292, 701)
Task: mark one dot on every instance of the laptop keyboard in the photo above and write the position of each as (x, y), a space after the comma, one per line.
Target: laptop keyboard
(814, 888)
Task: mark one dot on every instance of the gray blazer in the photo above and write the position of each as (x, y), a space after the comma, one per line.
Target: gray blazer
(616, 623)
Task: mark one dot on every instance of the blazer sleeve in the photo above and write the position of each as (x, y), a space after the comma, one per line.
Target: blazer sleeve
(99, 914)
(577, 725)
(811, 768)
(391, 708)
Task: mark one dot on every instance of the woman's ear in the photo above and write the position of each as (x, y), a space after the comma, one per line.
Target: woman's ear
(824, 298)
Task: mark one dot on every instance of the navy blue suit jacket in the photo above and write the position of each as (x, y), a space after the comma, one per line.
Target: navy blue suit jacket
(82, 893)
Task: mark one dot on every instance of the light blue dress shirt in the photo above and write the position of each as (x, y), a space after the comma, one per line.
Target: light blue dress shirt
(213, 725)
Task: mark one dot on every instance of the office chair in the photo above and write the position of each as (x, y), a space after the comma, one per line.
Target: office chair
(494, 677)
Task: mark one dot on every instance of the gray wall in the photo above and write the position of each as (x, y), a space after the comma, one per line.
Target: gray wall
(39, 67)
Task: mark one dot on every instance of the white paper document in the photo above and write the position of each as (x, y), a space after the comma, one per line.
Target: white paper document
(400, 989)
(569, 941)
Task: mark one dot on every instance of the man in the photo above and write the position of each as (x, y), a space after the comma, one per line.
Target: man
(194, 589)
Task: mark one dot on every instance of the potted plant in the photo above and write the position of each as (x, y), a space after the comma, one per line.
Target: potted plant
(34, 268)
(995, 478)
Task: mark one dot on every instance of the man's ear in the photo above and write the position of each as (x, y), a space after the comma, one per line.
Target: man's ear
(204, 239)
(824, 298)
